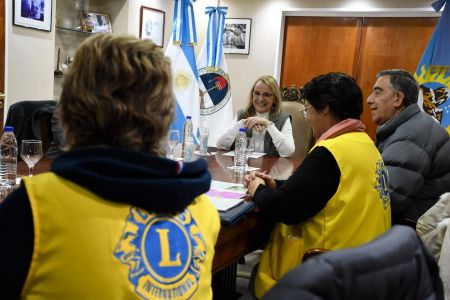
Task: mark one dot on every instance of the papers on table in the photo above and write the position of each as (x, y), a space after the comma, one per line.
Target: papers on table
(247, 168)
(253, 155)
(207, 153)
(226, 195)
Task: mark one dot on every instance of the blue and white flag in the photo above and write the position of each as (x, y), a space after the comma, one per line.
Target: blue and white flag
(214, 83)
(433, 71)
(184, 68)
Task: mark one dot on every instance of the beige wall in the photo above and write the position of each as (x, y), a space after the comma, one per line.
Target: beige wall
(30, 58)
(29, 61)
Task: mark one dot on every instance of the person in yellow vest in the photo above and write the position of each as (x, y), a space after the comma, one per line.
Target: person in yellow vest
(337, 198)
(114, 219)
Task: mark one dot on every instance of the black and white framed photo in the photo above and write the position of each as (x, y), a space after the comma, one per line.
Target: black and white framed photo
(236, 35)
(35, 14)
(152, 25)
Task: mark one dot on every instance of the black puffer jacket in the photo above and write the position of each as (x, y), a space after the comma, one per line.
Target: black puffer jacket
(416, 151)
(394, 266)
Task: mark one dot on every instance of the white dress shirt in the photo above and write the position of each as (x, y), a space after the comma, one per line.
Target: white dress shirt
(283, 140)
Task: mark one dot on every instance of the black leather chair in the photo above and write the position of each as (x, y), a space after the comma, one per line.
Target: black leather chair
(32, 121)
(394, 266)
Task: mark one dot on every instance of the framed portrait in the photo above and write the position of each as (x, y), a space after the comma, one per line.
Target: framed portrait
(95, 22)
(35, 14)
(152, 25)
(236, 36)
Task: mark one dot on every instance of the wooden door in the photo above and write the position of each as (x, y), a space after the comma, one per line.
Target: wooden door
(357, 46)
(390, 43)
(317, 45)
(2, 62)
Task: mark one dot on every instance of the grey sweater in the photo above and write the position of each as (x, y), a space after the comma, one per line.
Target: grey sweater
(416, 151)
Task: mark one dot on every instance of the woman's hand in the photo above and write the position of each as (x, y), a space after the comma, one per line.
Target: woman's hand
(254, 179)
(256, 123)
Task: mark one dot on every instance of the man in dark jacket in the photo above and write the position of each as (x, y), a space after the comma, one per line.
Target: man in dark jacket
(415, 148)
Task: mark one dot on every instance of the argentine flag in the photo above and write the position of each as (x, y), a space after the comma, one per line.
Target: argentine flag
(214, 83)
(184, 70)
(433, 70)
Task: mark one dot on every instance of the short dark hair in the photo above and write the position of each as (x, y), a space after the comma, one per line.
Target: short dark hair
(402, 81)
(337, 90)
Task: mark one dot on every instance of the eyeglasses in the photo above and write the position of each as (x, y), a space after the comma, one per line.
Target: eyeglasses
(304, 111)
(264, 95)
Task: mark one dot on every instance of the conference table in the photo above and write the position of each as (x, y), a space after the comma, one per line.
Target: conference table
(234, 241)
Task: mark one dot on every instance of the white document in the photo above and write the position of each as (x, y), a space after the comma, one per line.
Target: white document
(253, 155)
(226, 195)
(247, 168)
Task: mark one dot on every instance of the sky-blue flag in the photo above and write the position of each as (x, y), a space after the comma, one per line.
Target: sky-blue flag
(214, 83)
(433, 70)
(184, 69)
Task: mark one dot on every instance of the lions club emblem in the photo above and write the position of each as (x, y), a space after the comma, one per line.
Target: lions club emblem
(163, 253)
(382, 183)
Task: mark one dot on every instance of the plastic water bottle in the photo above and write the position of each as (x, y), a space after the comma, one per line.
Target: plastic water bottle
(187, 132)
(189, 149)
(240, 151)
(8, 162)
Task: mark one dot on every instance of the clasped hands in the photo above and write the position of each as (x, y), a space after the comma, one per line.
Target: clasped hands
(256, 123)
(254, 179)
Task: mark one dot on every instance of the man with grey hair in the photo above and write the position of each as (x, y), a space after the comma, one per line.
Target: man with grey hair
(415, 148)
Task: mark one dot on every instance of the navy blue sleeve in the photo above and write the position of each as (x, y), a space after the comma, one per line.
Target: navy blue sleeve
(17, 239)
(305, 193)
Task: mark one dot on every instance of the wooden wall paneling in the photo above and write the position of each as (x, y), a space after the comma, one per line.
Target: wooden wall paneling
(390, 43)
(318, 45)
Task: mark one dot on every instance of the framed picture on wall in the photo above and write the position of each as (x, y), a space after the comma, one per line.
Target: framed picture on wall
(236, 35)
(35, 14)
(95, 22)
(152, 25)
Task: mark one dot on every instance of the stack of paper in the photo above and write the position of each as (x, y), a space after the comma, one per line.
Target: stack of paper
(225, 195)
(253, 155)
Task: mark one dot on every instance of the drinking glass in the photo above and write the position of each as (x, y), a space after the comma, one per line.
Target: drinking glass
(174, 139)
(203, 141)
(31, 153)
(250, 147)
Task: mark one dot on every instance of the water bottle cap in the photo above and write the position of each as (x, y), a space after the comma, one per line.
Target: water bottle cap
(9, 128)
(242, 129)
(188, 117)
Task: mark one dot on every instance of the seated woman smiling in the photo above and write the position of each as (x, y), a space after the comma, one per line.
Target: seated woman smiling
(337, 198)
(262, 116)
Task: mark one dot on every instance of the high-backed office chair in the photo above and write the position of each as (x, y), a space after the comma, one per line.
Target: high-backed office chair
(300, 127)
(32, 120)
(394, 266)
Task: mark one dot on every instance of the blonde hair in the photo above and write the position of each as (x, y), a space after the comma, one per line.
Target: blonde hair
(272, 83)
(118, 92)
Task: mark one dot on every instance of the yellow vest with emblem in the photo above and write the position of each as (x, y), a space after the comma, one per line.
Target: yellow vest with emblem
(88, 248)
(357, 213)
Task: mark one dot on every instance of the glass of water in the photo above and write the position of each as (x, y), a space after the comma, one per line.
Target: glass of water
(250, 147)
(31, 153)
(174, 139)
(203, 141)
